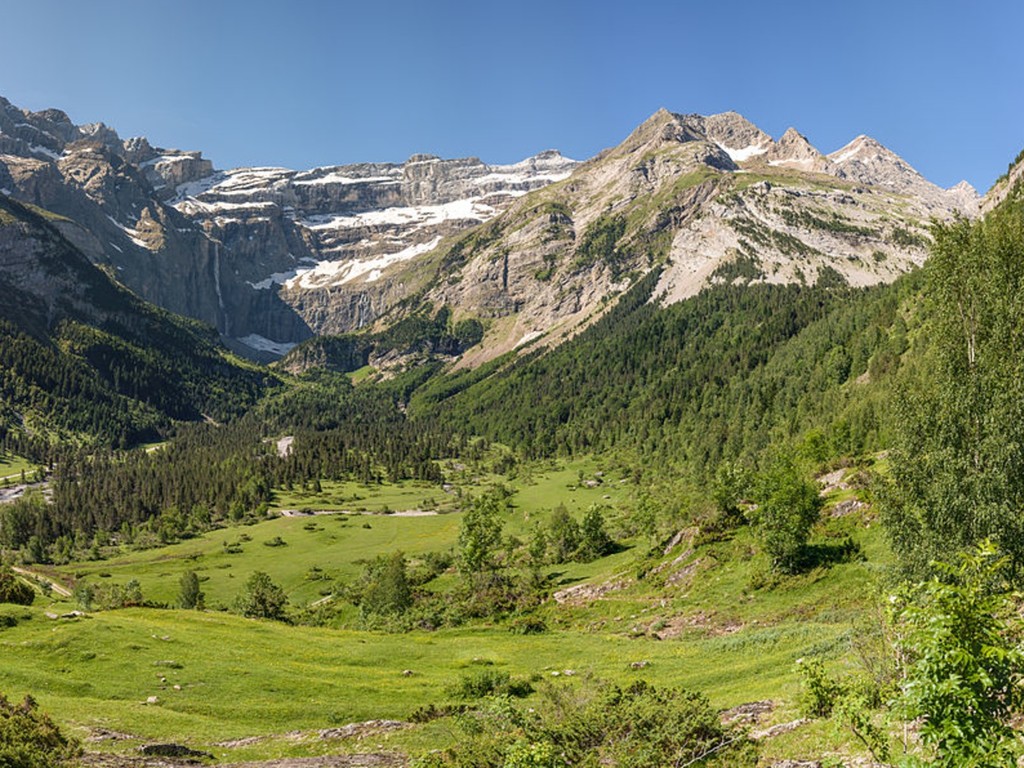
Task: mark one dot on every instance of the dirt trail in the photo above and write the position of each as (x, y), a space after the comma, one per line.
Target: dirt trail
(312, 512)
(56, 586)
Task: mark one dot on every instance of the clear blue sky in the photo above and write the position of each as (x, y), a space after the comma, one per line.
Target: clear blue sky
(311, 82)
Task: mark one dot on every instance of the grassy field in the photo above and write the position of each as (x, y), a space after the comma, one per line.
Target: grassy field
(97, 672)
(706, 614)
(11, 467)
(319, 549)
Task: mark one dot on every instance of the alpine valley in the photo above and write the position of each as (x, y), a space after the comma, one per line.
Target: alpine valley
(602, 462)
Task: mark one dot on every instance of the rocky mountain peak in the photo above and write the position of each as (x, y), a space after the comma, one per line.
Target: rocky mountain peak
(666, 131)
(793, 150)
(870, 162)
(740, 138)
(663, 127)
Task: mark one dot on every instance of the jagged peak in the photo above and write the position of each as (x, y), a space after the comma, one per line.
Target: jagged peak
(740, 138)
(793, 137)
(861, 146)
(664, 126)
(793, 150)
(964, 187)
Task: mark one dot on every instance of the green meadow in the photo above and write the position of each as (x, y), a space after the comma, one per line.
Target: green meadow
(12, 466)
(703, 614)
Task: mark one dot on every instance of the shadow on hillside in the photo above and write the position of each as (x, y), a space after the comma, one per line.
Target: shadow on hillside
(827, 554)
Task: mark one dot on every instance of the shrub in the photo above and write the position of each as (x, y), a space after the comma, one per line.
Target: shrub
(527, 625)
(13, 589)
(489, 682)
(819, 692)
(592, 724)
(964, 676)
(29, 739)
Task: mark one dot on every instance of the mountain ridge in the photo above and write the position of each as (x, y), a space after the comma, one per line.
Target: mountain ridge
(273, 256)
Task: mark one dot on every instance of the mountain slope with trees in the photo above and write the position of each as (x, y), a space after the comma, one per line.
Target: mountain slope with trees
(82, 357)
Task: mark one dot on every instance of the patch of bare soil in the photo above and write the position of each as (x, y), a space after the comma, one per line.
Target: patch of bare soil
(709, 624)
(368, 760)
(350, 731)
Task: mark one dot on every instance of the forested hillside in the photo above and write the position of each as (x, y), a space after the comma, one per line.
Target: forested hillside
(83, 358)
(722, 375)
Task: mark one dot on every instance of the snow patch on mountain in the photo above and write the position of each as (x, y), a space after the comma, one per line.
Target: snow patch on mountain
(417, 216)
(744, 154)
(133, 234)
(330, 273)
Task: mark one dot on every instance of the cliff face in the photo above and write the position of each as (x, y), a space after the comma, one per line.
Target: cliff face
(266, 255)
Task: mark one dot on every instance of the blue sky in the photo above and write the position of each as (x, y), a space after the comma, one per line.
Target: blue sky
(307, 82)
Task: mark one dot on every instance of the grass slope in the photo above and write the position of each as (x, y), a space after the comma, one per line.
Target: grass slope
(729, 630)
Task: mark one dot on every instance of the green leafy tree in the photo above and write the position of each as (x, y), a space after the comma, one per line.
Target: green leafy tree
(189, 594)
(964, 670)
(563, 535)
(84, 595)
(731, 484)
(788, 506)
(261, 598)
(958, 456)
(479, 535)
(386, 590)
(594, 539)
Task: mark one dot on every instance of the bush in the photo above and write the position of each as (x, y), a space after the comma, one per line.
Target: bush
(13, 589)
(819, 692)
(527, 625)
(489, 682)
(29, 739)
(592, 724)
(964, 676)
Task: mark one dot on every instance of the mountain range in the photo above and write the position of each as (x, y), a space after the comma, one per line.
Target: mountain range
(535, 250)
